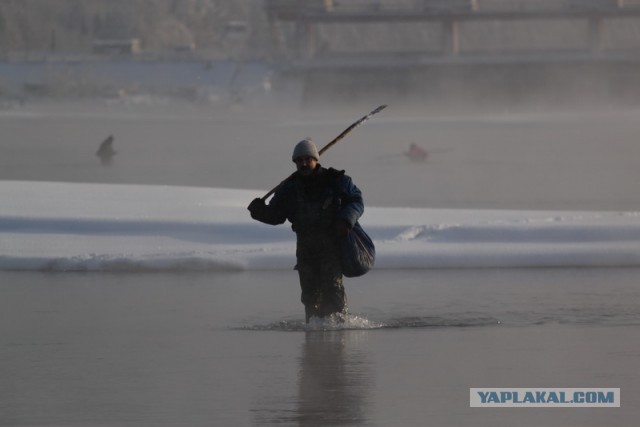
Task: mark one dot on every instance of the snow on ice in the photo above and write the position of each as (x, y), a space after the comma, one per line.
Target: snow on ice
(96, 227)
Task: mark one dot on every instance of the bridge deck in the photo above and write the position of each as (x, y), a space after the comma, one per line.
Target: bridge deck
(436, 10)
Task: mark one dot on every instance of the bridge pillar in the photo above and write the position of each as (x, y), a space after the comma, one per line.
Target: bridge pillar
(451, 37)
(594, 38)
(305, 39)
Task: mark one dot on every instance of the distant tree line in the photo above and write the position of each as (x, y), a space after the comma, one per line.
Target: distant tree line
(73, 25)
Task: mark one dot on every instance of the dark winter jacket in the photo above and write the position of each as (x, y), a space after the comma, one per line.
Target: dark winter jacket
(313, 204)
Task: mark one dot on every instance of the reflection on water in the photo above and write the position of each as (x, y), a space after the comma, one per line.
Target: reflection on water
(334, 378)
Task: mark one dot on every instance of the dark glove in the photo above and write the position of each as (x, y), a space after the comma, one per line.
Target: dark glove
(257, 207)
(341, 227)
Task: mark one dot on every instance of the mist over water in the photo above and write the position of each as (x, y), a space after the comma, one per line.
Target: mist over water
(535, 159)
(231, 348)
(514, 121)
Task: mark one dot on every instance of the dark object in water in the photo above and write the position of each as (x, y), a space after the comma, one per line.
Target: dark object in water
(106, 151)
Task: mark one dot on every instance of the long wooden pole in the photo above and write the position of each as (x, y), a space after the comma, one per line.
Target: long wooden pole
(332, 143)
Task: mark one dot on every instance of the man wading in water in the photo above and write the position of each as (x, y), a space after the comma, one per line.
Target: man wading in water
(322, 206)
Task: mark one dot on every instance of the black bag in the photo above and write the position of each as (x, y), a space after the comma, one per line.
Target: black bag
(358, 252)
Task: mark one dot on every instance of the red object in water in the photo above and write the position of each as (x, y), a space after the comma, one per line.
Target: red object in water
(416, 153)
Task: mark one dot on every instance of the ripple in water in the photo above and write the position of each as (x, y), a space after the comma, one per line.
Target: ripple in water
(331, 323)
(355, 322)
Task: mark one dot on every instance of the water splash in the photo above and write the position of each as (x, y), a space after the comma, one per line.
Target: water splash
(340, 322)
(336, 322)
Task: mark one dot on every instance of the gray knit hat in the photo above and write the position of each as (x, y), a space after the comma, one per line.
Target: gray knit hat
(305, 148)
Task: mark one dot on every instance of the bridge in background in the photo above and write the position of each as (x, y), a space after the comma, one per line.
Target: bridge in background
(451, 15)
(297, 27)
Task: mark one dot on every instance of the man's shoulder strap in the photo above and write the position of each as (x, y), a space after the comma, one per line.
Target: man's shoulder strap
(334, 178)
(335, 173)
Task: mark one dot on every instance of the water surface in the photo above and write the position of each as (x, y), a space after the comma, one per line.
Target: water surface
(196, 349)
